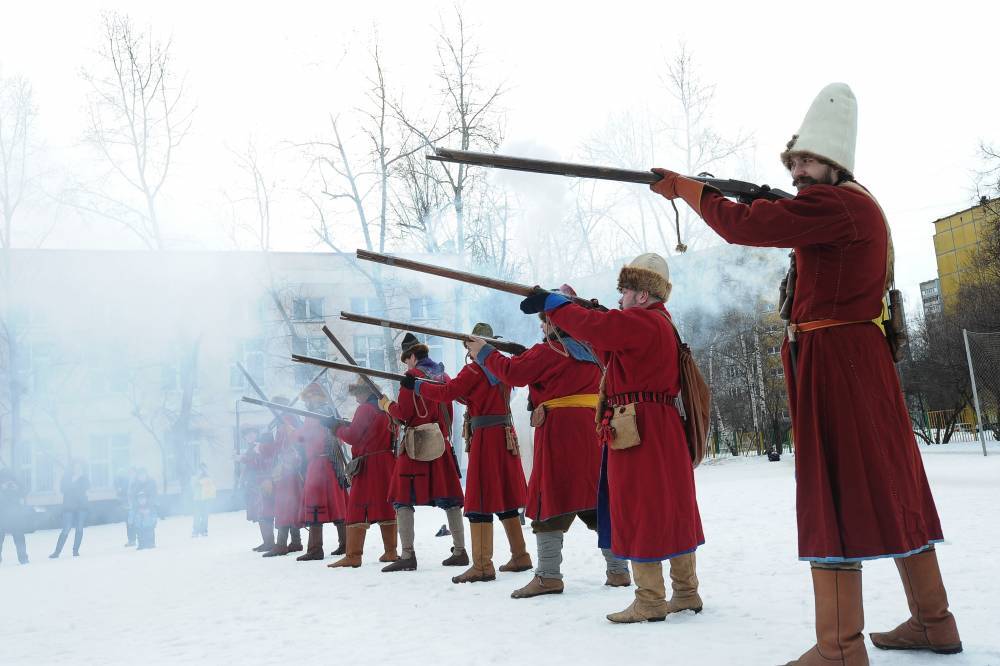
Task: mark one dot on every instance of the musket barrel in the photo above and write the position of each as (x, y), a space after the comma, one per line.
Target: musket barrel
(350, 359)
(503, 345)
(741, 190)
(441, 271)
(277, 407)
(356, 369)
(459, 276)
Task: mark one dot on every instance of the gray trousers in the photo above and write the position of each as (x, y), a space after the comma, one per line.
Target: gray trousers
(550, 545)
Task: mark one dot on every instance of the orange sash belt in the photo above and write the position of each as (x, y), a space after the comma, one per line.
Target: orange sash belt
(817, 324)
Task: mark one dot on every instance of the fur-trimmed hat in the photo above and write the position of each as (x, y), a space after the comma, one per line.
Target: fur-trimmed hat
(359, 388)
(411, 345)
(483, 330)
(647, 272)
(314, 392)
(829, 131)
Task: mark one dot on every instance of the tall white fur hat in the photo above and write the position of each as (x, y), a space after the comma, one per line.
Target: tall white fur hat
(829, 130)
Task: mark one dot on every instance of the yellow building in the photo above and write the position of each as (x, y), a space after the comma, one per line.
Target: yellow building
(955, 240)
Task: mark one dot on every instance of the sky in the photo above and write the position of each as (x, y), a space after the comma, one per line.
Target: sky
(279, 74)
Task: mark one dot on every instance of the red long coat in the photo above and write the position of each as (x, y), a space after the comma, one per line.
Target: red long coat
(567, 456)
(257, 464)
(323, 500)
(286, 477)
(652, 506)
(861, 489)
(494, 482)
(434, 483)
(369, 436)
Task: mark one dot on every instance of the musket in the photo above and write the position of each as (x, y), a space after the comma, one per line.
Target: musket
(503, 345)
(350, 359)
(356, 369)
(461, 276)
(259, 391)
(328, 421)
(743, 191)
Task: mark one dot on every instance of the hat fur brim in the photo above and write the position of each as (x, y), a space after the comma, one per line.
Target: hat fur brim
(414, 349)
(641, 279)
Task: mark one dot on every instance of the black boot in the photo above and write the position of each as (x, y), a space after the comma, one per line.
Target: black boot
(341, 539)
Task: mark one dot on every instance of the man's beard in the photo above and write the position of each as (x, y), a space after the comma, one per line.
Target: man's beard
(803, 182)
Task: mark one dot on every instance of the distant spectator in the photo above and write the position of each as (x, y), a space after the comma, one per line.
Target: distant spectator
(145, 522)
(203, 494)
(13, 514)
(122, 487)
(74, 507)
(140, 483)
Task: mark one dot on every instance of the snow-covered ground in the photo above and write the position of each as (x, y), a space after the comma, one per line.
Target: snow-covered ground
(212, 601)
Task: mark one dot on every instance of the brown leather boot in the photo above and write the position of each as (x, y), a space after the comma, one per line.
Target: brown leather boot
(650, 603)
(404, 563)
(458, 558)
(684, 582)
(296, 544)
(314, 547)
(355, 546)
(931, 626)
(388, 541)
(618, 580)
(537, 587)
(341, 539)
(840, 617)
(280, 544)
(482, 556)
(520, 560)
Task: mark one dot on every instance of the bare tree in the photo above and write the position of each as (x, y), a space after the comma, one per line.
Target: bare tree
(17, 119)
(258, 197)
(137, 117)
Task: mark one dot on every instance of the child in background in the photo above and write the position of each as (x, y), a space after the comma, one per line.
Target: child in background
(145, 522)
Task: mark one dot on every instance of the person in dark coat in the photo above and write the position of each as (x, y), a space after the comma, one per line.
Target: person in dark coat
(145, 522)
(74, 507)
(13, 514)
(140, 483)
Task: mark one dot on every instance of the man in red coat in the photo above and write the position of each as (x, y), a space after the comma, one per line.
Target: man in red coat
(647, 510)
(286, 484)
(495, 478)
(256, 481)
(862, 492)
(371, 437)
(324, 500)
(562, 377)
(426, 471)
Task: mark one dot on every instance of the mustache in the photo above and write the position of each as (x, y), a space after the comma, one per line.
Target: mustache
(802, 181)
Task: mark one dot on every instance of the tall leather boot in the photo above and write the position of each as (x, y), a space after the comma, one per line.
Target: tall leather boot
(341, 539)
(388, 530)
(296, 539)
(684, 581)
(520, 560)
(314, 547)
(408, 559)
(931, 626)
(482, 556)
(456, 523)
(650, 603)
(266, 535)
(840, 617)
(355, 546)
(280, 544)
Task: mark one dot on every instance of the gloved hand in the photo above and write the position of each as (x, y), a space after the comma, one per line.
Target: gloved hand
(408, 382)
(540, 300)
(535, 302)
(674, 185)
(383, 403)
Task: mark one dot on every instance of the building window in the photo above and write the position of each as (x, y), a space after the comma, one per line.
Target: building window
(109, 457)
(367, 305)
(435, 346)
(307, 309)
(251, 355)
(369, 351)
(423, 307)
